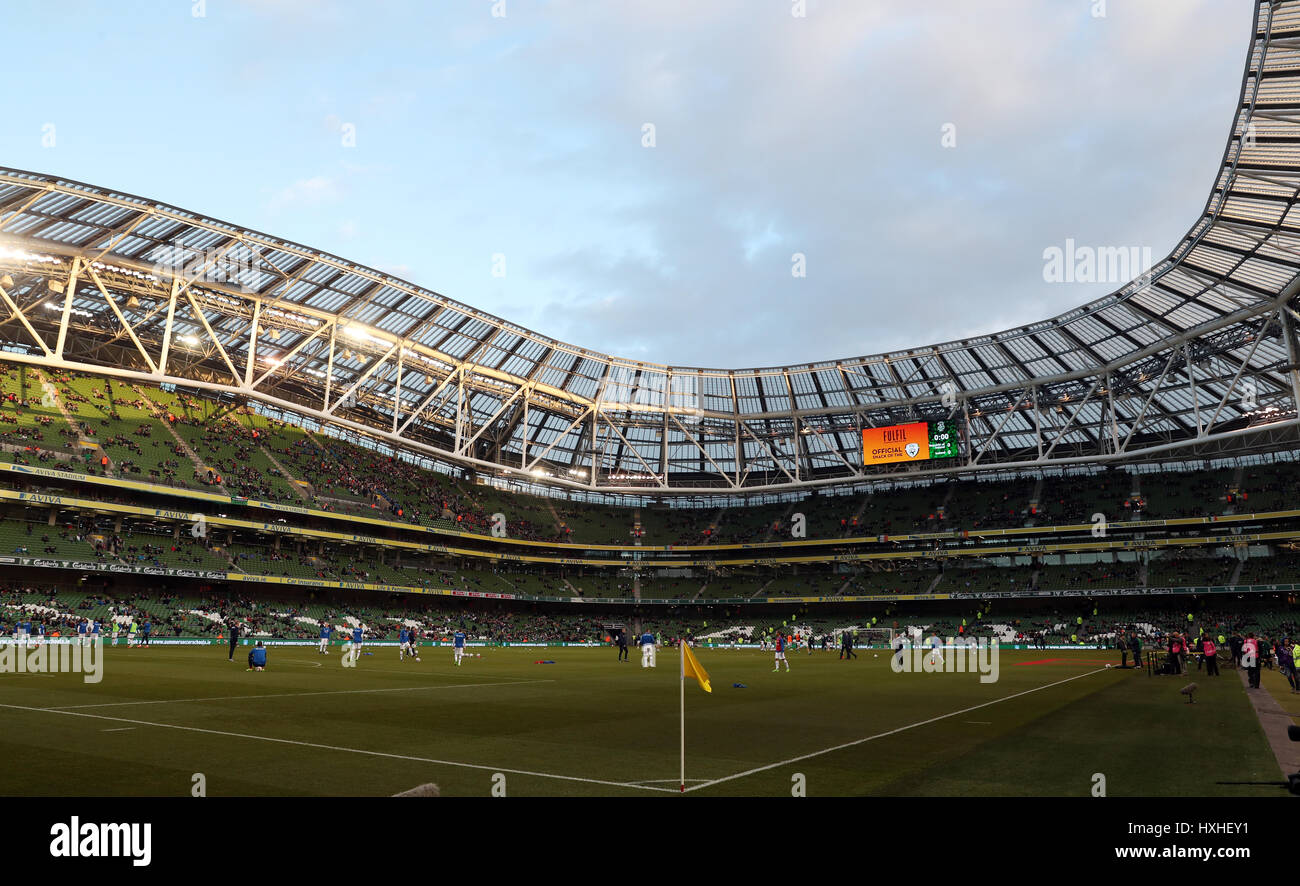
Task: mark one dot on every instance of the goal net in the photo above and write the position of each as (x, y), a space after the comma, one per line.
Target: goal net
(877, 637)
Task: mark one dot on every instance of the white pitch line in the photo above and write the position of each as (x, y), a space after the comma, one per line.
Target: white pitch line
(326, 747)
(121, 729)
(119, 704)
(840, 747)
(371, 669)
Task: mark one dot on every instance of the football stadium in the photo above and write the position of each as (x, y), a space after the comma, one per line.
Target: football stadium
(276, 523)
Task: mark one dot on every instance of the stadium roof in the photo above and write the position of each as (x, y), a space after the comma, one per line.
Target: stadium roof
(1195, 356)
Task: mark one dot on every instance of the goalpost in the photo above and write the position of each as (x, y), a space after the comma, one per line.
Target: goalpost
(875, 637)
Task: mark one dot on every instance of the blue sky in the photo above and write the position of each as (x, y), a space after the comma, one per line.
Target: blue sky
(521, 135)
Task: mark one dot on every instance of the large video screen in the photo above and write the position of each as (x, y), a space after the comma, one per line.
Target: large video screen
(918, 441)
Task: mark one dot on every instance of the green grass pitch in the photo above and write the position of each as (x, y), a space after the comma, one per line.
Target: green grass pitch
(588, 725)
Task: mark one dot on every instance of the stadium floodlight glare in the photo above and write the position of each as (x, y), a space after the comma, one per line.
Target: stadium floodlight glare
(190, 340)
(11, 252)
(359, 333)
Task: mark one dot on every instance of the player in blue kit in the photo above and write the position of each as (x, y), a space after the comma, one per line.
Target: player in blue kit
(459, 642)
(94, 631)
(356, 643)
(647, 649)
(82, 627)
(257, 657)
(403, 644)
(325, 633)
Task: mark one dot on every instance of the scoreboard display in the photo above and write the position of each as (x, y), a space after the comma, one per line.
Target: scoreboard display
(918, 441)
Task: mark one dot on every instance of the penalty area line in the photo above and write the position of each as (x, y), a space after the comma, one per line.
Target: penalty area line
(340, 749)
(849, 744)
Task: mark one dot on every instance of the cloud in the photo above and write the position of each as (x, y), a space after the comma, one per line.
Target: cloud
(822, 136)
(306, 193)
(775, 135)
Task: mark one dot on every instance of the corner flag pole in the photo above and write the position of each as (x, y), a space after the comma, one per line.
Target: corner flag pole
(681, 658)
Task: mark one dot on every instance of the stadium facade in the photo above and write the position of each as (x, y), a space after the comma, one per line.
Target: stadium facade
(1194, 358)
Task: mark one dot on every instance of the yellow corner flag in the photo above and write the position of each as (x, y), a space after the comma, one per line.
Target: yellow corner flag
(691, 668)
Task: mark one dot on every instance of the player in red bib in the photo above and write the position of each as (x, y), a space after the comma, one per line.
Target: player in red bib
(780, 654)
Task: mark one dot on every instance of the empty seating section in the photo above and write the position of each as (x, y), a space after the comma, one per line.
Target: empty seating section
(1272, 487)
(1281, 568)
(674, 588)
(804, 584)
(1075, 500)
(575, 583)
(1085, 577)
(984, 504)
(984, 580)
(1188, 494)
(907, 580)
(20, 538)
(1189, 571)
